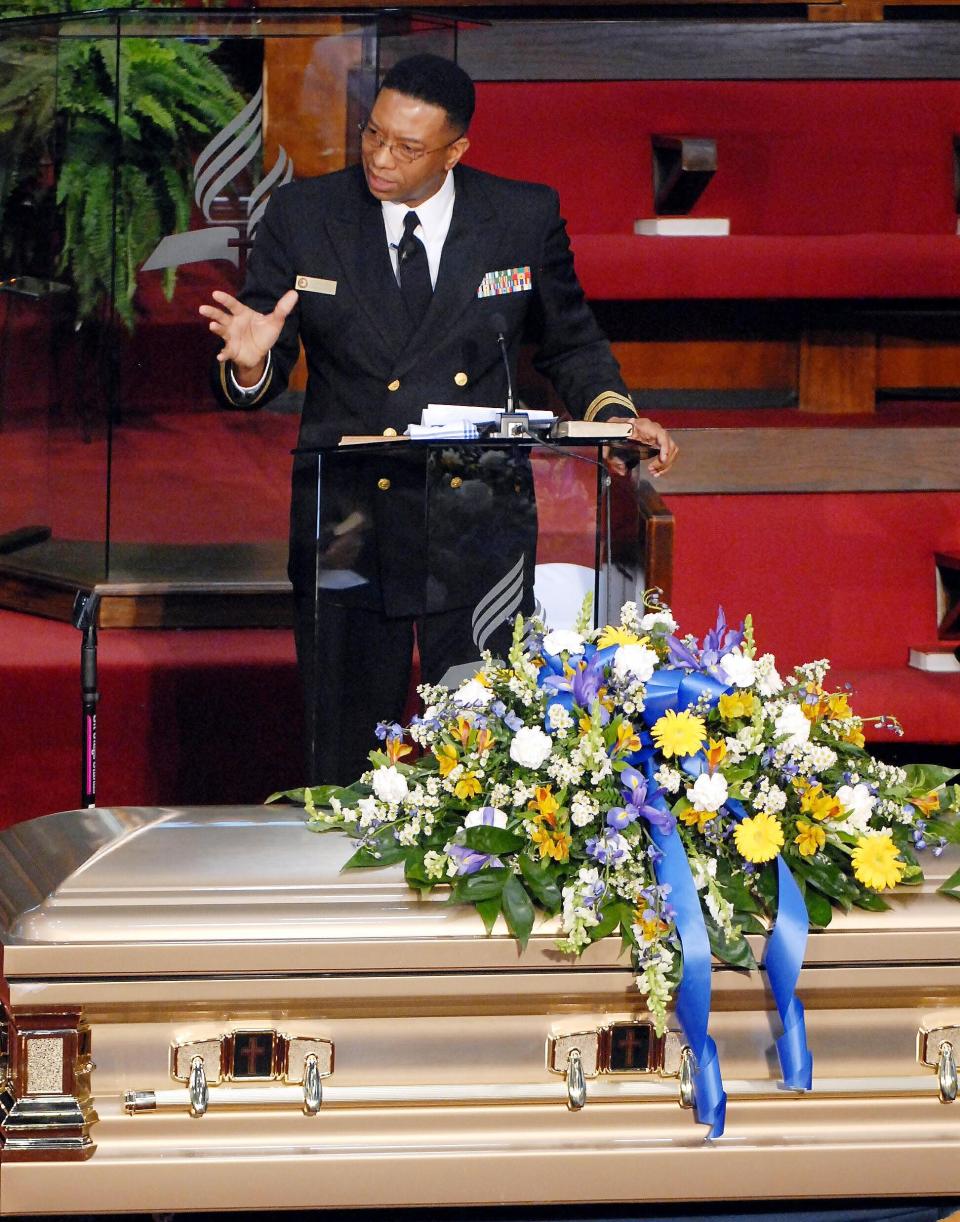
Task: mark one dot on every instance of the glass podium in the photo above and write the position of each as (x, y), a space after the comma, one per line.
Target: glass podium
(466, 534)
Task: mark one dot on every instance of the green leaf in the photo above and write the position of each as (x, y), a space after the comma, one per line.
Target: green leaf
(610, 918)
(951, 885)
(381, 849)
(871, 901)
(826, 876)
(415, 872)
(517, 908)
(480, 886)
(734, 950)
(493, 840)
(922, 778)
(540, 882)
(819, 908)
(489, 911)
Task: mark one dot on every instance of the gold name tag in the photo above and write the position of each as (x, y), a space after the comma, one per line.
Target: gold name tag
(314, 284)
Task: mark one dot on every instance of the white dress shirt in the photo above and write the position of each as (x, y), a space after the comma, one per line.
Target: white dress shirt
(434, 215)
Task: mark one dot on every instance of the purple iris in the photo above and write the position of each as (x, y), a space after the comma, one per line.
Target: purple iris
(640, 803)
(718, 641)
(469, 861)
(582, 687)
(609, 848)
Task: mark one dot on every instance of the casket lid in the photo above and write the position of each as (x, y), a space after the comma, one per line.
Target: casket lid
(133, 891)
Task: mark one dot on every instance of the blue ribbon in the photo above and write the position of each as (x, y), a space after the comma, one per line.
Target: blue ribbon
(678, 689)
(693, 995)
(783, 959)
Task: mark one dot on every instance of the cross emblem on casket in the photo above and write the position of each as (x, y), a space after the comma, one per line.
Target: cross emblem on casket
(253, 1054)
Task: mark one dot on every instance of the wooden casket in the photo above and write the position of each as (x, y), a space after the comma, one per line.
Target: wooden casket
(202, 1011)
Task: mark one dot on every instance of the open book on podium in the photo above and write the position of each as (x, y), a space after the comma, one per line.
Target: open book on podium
(458, 422)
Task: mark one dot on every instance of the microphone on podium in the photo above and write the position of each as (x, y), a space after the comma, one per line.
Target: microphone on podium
(499, 325)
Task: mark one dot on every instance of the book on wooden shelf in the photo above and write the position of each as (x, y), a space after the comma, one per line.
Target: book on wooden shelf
(939, 657)
(683, 226)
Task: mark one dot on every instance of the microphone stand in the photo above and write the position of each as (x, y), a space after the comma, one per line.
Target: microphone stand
(85, 608)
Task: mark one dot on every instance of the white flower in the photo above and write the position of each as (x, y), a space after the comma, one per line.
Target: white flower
(858, 802)
(635, 662)
(708, 792)
(584, 808)
(389, 785)
(793, 725)
(668, 778)
(530, 747)
(369, 812)
(563, 640)
(473, 693)
(739, 669)
(659, 621)
(482, 818)
(558, 717)
(768, 677)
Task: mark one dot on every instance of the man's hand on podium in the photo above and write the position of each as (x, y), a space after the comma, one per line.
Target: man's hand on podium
(247, 334)
(643, 432)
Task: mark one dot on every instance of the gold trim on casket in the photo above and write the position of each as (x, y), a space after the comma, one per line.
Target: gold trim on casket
(392, 1052)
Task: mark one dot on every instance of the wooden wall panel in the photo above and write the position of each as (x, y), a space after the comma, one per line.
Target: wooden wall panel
(913, 363)
(708, 364)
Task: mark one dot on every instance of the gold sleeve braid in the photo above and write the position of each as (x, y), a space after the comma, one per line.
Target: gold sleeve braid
(608, 398)
(230, 394)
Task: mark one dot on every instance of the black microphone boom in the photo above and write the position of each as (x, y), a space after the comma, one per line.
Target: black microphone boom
(499, 325)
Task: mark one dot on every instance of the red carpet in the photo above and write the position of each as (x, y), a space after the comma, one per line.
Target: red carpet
(185, 717)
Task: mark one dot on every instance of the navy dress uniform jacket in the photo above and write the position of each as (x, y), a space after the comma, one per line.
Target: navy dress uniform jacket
(367, 373)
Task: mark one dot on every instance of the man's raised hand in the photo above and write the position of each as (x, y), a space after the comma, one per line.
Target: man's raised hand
(247, 334)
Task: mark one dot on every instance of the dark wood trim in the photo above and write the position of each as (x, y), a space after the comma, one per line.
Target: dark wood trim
(837, 459)
(717, 50)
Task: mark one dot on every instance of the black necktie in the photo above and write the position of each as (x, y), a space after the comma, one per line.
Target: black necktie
(414, 271)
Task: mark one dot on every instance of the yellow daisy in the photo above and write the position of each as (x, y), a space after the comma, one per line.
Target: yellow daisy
(810, 838)
(619, 636)
(875, 862)
(759, 838)
(679, 733)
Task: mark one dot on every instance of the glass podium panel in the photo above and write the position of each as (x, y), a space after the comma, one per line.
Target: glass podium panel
(55, 290)
(459, 537)
(138, 151)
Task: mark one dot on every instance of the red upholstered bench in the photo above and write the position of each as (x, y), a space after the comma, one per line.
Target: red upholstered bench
(847, 576)
(833, 188)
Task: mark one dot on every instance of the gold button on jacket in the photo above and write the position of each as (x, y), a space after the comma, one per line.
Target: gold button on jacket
(394, 385)
(456, 482)
(461, 378)
(389, 432)
(383, 484)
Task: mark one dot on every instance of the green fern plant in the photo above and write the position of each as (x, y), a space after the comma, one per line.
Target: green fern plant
(124, 169)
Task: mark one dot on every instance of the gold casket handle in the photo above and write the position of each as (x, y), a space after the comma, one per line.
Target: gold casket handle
(576, 1082)
(947, 1073)
(199, 1091)
(312, 1086)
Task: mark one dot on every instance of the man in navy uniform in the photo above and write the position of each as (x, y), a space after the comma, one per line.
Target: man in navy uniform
(397, 274)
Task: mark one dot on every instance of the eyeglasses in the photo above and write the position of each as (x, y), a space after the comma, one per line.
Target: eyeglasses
(372, 141)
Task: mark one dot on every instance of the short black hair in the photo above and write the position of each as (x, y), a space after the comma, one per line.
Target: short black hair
(436, 80)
